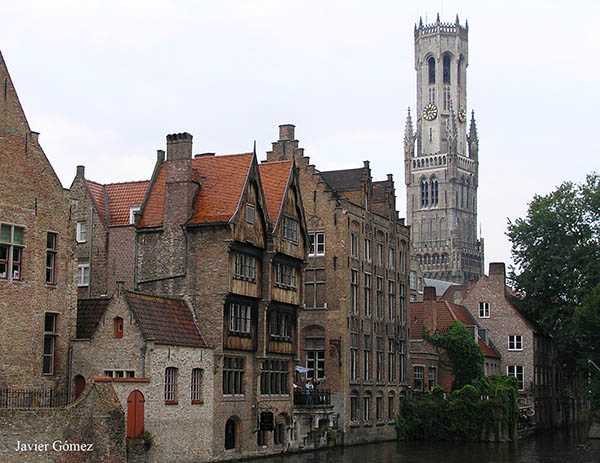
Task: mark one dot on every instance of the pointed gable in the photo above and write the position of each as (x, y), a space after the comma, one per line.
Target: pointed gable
(275, 178)
(13, 119)
(222, 180)
(114, 200)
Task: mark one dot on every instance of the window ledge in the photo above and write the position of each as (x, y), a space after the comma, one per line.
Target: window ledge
(197, 402)
(171, 402)
(234, 397)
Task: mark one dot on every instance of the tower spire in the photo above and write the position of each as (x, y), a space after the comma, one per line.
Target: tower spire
(473, 137)
(409, 137)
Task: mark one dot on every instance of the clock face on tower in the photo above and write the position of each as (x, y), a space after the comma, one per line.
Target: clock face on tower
(430, 112)
(462, 115)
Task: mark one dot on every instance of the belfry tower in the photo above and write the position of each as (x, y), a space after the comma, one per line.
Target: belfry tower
(441, 158)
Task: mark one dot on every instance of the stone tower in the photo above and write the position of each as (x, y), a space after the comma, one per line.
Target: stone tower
(441, 158)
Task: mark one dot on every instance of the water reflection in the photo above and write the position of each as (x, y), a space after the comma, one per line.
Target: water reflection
(563, 447)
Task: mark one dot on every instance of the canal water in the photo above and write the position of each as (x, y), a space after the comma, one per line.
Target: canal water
(563, 447)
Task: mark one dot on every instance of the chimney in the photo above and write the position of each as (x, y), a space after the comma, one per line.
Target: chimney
(179, 146)
(390, 177)
(80, 171)
(498, 271)
(366, 164)
(286, 132)
(203, 155)
(160, 156)
(429, 293)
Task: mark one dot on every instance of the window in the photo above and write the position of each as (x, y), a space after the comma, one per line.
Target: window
(245, 267)
(431, 70)
(279, 434)
(432, 377)
(49, 343)
(367, 250)
(250, 213)
(402, 350)
(447, 103)
(315, 362)
(367, 294)
(424, 193)
(280, 325)
(391, 361)
(392, 300)
(118, 327)
(434, 191)
(170, 385)
(290, 229)
(391, 258)
(380, 366)
(432, 101)
(419, 373)
(402, 304)
(517, 372)
(233, 375)
(274, 377)
(367, 365)
(81, 235)
(354, 408)
(354, 293)
(391, 407)
(51, 239)
(367, 408)
(484, 310)
(314, 289)
(83, 274)
(11, 251)
(196, 385)
(353, 366)
(317, 244)
(446, 65)
(379, 408)
(515, 342)
(379, 307)
(285, 275)
(354, 245)
(119, 373)
(230, 434)
(240, 318)
(133, 211)
(380, 254)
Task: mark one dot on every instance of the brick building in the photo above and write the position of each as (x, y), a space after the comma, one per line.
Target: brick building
(353, 324)
(103, 217)
(150, 348)
(430, 364)
(36, 255)
(526, 353)
(229, 236)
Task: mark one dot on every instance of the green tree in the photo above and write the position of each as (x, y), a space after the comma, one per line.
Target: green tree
(466, 359)
(556, 251)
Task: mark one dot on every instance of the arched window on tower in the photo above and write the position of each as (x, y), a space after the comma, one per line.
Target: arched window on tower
(434, 191)
(467, 188)
(431, 70)
(446, 68)
(459, 70)
(424, 192)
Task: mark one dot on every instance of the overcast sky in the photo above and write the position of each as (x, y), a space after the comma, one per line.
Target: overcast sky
(105, 81)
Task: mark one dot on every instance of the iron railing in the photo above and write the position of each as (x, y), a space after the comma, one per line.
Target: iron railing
(33, 398)
(317, 398)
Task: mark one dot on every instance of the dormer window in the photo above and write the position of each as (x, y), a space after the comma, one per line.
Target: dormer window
(250, 213)
(133, 210)
(118, 327)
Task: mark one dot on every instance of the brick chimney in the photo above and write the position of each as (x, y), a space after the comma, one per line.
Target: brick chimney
(80, 172)
(429, 293)
(498, 272)
(286, 132)
(179, 146)
(179, 182)
(286, 147)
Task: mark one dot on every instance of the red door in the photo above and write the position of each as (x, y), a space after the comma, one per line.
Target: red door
(78, 386)
(135, 414)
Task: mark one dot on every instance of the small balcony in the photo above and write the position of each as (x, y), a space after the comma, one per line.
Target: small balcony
(316, 398)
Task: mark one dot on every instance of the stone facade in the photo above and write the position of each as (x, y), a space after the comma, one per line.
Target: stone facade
(441, 160)
(355, 296)
(36, 255)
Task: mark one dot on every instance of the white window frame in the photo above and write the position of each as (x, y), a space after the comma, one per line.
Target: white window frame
(81, 233)
(132, 211)
(317, 244)
(81, 280)
(515, 374)
(484, 309)
(240, 318)
(512, 340)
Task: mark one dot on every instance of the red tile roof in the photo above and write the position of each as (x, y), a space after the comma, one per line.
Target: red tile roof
(119, 197)
(487, 351)
(274, 177)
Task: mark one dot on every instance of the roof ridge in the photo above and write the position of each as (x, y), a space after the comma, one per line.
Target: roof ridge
(281, 161)
(172, 298)
(229, 155)
(116, 183)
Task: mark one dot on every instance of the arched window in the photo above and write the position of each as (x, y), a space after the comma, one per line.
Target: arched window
(424, 192)
(196, 385)
(434, 191)
(231, 433)
(118, 327)
(446, 67)
(467, 188)
(459, 70)
(431, 70)
(171, 385)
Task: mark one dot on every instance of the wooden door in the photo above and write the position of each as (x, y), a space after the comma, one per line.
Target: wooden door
(135, 414)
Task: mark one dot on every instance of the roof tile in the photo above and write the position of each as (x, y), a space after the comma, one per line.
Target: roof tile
(274, 177)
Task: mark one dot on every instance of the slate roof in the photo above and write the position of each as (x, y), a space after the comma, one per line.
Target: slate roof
(440, 286)
(89, 314)
(222, 179)
(164, 320)
(345, 180)
(274, 177)
(118, 198)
